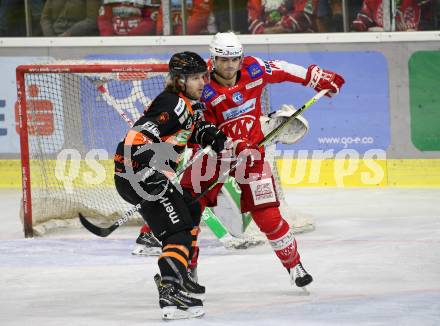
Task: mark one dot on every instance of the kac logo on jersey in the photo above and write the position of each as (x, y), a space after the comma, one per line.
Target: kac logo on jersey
(208, 93)
(237, 98)
(254, 70)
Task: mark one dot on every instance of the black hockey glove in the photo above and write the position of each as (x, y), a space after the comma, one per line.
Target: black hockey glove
(153, 182)
(207, 134)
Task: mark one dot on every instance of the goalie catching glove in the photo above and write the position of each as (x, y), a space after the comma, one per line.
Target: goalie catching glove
(207, 134)
(292, 133)
(320, 79)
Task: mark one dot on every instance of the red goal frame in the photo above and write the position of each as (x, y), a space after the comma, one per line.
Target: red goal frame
(128, 68)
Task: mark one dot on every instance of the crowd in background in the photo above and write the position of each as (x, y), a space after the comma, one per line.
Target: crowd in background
(145, 17)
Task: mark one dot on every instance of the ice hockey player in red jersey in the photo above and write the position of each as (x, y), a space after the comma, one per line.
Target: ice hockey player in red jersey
(232, 101)
(146, 159)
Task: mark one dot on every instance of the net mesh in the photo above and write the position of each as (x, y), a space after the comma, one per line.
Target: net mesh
(75, 121)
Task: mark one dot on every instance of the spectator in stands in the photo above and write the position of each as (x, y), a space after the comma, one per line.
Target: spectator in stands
(13, 21)
(70, 18)
(128, 17)
(430, 15)
(408, 15)
(239, 15)
(281, 16)
(200, 18)
(329, 16)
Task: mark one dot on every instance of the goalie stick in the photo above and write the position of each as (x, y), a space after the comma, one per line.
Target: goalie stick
(264, 141)
(105, 231)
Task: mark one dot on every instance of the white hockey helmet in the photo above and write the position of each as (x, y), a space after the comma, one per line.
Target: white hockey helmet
(225, 45)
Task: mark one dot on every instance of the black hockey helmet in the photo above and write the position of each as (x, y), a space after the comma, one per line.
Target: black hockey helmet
(186, 63)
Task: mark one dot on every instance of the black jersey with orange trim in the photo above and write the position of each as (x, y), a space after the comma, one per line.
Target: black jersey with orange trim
(164, 129)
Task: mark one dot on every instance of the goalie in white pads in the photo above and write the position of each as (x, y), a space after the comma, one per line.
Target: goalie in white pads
(233, 103)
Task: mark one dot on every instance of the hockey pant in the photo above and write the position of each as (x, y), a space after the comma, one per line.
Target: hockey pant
(174, 222)
(260, 199)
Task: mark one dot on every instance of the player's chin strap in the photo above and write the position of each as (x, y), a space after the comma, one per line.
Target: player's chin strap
(274, 133)
(103, 232)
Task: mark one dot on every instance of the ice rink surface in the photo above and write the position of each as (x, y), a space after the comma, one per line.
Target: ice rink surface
(375, 258)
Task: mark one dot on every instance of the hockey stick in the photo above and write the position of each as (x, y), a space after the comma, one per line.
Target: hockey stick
(105, 231)
(210, 218)
(264, 141)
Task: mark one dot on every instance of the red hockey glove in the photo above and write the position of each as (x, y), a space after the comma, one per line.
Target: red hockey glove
(320, 79)
(244, 148)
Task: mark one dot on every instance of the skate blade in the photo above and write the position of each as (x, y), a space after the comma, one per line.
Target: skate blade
(200, 296)
(304, 291)
(173, 313)
(141, 250)
(242, 243)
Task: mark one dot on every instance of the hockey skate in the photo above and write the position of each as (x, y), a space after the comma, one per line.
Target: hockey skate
(299, 276)
(192, 274)
(147, 245)
(175, 303)
(190, 287)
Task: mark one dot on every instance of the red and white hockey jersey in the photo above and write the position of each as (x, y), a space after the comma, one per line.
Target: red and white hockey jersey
(236, 110)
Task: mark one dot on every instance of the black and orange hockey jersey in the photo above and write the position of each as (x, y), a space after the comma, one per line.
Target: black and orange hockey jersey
(159, 136)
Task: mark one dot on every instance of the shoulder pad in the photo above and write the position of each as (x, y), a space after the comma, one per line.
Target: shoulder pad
(167, 102)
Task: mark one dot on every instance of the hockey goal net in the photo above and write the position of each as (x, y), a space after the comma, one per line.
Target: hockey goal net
(71, 116)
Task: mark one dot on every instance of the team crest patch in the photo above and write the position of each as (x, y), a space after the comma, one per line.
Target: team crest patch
(237, 98)
(254, 70)
(208, 93)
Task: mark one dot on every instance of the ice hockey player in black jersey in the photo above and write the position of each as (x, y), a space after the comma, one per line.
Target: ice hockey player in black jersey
(145, 161)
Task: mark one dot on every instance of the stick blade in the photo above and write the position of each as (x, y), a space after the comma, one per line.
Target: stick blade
(101, 232)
